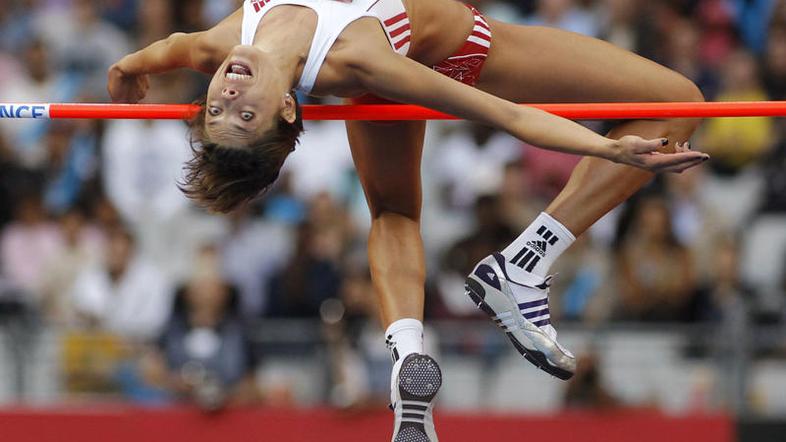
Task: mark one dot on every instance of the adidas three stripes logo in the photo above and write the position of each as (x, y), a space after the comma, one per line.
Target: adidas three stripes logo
(531, 254)
(392, 347)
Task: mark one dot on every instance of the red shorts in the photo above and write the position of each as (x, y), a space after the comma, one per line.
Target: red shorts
(466, 64)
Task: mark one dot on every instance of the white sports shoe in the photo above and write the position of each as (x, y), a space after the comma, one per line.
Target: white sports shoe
(527, 324)
(416, 385)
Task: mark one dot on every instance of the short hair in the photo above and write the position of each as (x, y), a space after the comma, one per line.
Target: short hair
(221, 178)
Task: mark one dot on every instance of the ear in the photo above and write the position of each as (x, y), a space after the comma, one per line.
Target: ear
(288, 108)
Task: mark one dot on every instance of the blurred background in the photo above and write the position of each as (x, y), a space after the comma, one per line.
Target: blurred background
(116, 292)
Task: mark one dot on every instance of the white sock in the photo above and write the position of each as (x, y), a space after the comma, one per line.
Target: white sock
(535, 250)
(403, 338)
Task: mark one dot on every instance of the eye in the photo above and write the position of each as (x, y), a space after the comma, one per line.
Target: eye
(214, 111)
(247, 116)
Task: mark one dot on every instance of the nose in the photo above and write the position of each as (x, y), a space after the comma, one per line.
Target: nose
(228, 92)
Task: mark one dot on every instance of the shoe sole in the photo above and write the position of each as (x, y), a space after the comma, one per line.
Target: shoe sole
(419, 380)
(477, 293)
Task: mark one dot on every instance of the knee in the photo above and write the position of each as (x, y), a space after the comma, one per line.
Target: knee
(684, 90)
(687, 91)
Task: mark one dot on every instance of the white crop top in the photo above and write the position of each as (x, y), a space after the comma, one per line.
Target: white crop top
(332, 17)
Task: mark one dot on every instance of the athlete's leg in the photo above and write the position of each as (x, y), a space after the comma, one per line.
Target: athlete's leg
(534, 64)
(387, 159)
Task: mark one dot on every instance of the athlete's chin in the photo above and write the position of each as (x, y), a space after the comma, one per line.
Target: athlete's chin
(245, 53)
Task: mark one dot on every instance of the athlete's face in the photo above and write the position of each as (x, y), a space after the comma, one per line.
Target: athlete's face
(245, 98)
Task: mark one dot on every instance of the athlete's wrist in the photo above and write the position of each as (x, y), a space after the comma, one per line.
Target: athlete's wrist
(609, 149)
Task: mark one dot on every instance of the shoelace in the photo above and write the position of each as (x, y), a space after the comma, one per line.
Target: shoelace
(546, 284)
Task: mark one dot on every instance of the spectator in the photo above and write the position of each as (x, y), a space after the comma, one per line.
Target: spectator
(142, 162)
(517, 206)
(124, 294)
(586, 390)
(735, 143)
(82, 247)
(490, 234)
(655, 274)
(564, 14)
(252, 250)
(313, 174)
(468, 162)
(752, 19)
(716, 21)
(12, 178)
(71, 164)
(359, 370)
(775, 63)
(773, 165)
(37, 81)
(204, 355)
(547, 171)
(725, 295)
(682, 55)
(282, 205)
(579, 278)
(310, 277)
(697, 223)
(621, 23)
(27, 245)
(83, 43)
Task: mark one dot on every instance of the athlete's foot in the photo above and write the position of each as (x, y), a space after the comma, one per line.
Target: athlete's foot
(525, 322)
(415, 386)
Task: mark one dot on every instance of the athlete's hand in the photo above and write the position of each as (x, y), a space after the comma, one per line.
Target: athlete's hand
(644, 154)
(124, 87)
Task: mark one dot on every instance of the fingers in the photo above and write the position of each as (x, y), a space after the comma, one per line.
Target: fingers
(649, 146)
(676, 162)
(682, 167)
(681, 147)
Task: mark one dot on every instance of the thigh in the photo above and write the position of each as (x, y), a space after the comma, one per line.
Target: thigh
(538, 64)
(387, 157)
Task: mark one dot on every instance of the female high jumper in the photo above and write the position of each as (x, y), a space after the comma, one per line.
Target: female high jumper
(444, 55)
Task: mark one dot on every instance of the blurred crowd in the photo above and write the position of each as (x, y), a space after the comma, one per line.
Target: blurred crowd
(155, 299)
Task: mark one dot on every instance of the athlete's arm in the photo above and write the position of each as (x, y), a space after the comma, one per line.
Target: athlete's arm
(398, 78)
(179, 50)
(201, 51)
(127, 79)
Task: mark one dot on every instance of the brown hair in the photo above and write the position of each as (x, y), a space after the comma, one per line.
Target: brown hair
(221, 178)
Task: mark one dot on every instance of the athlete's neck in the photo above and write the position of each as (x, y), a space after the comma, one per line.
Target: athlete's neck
(280, 34)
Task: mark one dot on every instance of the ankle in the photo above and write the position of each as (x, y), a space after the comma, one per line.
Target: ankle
(404, 337)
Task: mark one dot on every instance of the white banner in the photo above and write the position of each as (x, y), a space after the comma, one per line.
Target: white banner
(37, 111)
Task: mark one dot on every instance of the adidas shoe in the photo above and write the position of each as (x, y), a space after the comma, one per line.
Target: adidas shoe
(416, 385)
(527, 324)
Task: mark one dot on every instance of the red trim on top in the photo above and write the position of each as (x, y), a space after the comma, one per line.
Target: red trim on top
(396, 32)
(402, 42)
(395, 19)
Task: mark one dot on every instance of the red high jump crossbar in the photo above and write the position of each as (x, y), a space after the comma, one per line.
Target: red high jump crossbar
(394, 112)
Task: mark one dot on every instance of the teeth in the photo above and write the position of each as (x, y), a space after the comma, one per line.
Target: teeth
(234, 76)
(239, 69)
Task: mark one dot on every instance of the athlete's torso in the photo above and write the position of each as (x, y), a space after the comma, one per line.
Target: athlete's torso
(332, 17)
(436, 28)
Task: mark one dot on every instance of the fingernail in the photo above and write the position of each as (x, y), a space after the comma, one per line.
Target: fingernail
(664, 141)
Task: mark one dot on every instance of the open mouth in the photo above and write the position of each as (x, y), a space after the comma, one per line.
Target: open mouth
(238, 71)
